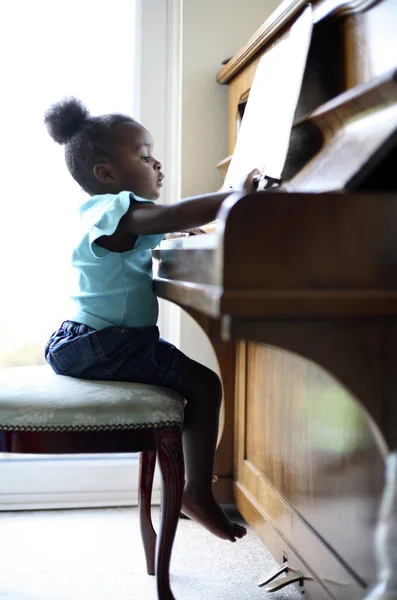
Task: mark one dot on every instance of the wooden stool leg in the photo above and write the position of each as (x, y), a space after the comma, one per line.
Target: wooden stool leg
(170, 453)
(147, 463)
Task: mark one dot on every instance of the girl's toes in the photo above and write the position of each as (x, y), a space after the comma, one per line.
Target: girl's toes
(239, 530)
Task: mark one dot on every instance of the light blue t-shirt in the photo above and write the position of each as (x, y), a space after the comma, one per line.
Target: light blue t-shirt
(113, 288)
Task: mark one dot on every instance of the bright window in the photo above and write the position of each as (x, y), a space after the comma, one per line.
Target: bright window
(88, 49)
(50, 50)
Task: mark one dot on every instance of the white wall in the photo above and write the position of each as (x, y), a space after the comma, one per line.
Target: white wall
(153, 73)
(213, 30)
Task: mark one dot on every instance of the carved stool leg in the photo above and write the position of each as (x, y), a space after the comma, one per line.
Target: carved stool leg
(386, 537)
(170, 453)
(147, 463)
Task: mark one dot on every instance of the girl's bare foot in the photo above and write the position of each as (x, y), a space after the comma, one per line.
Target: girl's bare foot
(202, 507)
(182, 515)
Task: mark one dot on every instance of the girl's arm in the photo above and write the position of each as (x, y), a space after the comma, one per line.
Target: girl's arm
(146, 219)
(143, 219)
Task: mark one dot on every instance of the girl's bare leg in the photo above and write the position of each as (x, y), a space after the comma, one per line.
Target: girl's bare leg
(202, 390)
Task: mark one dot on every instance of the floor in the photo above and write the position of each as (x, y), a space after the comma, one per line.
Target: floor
(96, 554)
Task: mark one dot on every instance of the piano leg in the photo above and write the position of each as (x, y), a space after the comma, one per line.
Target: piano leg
(386, 537)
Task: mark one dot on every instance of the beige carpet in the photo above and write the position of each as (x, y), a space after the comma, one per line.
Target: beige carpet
(96, 554)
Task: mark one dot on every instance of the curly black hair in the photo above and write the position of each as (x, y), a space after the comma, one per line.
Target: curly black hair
(88, 140)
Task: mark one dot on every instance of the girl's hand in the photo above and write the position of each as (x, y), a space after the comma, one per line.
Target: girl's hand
(251, 183)
(194, 231)
(185, 233)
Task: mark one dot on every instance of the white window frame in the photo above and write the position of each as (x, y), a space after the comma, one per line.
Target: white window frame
(112, 480)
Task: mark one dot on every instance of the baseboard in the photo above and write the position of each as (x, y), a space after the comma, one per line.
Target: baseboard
(49, 483)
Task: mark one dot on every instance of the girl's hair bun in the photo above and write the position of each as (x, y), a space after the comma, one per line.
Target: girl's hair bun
(65, 118)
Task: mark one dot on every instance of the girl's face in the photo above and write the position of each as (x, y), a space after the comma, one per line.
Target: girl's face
(134, 167)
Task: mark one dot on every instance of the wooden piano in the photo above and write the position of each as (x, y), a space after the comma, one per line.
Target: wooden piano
(296, 288)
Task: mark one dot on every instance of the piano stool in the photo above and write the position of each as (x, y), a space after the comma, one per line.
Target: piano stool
(41, 412)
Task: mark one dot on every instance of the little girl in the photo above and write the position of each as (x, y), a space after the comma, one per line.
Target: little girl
(112, 334)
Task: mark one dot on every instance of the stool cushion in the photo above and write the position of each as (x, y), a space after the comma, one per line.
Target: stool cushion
(36, 399)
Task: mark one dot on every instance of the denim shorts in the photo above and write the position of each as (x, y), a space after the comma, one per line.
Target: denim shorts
(116, 354)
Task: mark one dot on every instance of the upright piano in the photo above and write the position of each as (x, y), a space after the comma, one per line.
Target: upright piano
(296, 288)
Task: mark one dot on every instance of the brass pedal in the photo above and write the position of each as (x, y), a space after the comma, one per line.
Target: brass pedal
(294, 577)
(282, 583)
(278, 571)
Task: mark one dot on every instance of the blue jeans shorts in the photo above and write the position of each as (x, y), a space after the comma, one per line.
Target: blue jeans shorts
(116, 354)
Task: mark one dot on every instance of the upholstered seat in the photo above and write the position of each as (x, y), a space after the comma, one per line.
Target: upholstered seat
(36, 399)
(44, 412)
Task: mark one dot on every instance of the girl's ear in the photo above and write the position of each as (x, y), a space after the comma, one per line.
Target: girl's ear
(105, 173)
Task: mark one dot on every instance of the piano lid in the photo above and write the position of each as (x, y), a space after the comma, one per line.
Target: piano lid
(281, 18)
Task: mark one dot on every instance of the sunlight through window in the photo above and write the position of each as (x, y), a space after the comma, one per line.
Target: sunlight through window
(50, 50)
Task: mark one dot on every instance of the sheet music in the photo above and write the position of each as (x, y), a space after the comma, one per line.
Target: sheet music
(265, 129)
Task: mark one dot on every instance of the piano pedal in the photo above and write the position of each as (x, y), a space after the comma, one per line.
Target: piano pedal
(273, 584)
(282, 583)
